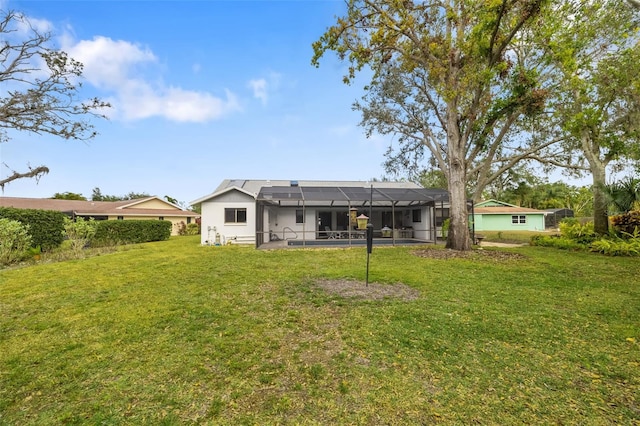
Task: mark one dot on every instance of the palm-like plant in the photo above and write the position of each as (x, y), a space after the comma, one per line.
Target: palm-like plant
(624, 195)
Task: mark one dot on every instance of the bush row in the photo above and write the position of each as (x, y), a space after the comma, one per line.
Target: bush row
(46, 227)
(575, 236)
(112, 232)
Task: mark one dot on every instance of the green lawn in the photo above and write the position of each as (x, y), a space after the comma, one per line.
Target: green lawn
(176, 333)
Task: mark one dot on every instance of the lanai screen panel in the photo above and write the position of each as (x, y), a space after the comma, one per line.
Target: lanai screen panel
(354, 196)
(324, 196)
(282, 195)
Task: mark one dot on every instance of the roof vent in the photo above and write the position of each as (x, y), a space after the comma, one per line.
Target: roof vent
(294, 183)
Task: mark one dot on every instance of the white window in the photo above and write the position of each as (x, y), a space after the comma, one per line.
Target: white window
(518, 219)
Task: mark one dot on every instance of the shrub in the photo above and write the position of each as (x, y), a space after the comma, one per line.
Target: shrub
(617, 246)
(193, 229)
(581, 234)
(557, 242)
(79, 233)
(14, 241)
(445, 227)
(45, 226)
(182, 228)
(112, 232)
(626, 223)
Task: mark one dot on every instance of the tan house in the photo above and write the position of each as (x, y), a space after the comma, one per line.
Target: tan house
(149, 208)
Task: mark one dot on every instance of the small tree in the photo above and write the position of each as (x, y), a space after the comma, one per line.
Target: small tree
(14, 240)
(79, 233)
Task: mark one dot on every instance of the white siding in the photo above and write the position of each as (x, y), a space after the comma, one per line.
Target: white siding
(284, 219)
(213, 219)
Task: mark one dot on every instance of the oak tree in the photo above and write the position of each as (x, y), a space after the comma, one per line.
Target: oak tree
(39, 89)
(450, 79)
(594, 46)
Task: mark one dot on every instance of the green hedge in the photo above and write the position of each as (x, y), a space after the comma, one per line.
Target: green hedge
(111, 232)
(46, 227)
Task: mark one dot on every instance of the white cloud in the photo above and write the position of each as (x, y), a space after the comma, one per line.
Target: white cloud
(259, 88)
(109, 63)
(119, 66)
(263, 87)
(175, 104)
(40, 25)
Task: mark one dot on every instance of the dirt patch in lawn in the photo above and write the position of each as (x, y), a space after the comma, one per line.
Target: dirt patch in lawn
(491, 255)
(359, 290)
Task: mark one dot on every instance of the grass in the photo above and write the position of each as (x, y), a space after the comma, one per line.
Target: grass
(515, 237)
(176, 333)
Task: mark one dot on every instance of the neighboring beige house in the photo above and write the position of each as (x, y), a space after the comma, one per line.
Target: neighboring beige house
(142, 208)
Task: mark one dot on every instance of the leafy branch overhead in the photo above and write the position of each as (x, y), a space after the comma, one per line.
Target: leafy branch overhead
(450, 80)
(476, 88)
(40, 87)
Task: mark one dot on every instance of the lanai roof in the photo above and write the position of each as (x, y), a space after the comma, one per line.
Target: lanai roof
(349, 195)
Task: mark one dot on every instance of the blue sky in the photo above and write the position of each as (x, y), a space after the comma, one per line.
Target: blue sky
(201, 91)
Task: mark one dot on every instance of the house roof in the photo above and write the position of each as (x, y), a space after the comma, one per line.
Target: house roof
(500, 207)
(330, 192)
(97, 208)
(506, 210)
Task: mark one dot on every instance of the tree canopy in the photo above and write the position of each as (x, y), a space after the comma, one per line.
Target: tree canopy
(451, 80)
(68, 196)
(594, 48)
(96, 195)
(39, 89)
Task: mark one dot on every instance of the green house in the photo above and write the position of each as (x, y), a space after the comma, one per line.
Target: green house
(494, 215)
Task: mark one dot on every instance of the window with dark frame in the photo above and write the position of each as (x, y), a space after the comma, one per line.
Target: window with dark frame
(518, 219)
(120, 217)
(299, 216)
(417, 215)
(234, 215)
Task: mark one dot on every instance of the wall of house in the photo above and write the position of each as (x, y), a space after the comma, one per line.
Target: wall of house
(282, 222)
(422, 230)
(502, 222)
(213, 221)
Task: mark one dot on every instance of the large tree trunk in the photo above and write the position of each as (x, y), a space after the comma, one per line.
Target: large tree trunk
(458, 237)
(600, 216)
(598, 169)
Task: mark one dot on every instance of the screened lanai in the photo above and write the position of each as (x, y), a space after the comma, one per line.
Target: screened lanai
(301, 214)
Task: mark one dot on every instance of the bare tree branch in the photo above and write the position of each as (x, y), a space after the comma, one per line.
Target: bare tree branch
(36, 173)
(39, 88)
